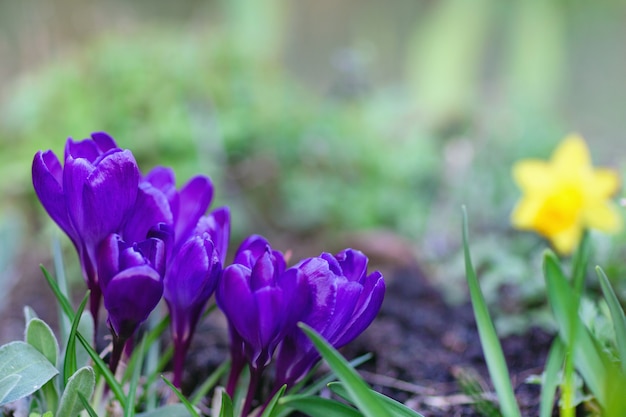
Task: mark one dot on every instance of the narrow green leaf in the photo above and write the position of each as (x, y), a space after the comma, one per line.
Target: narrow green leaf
(209, 383)
(319, 384)
(617, 314)
(396, 408)
(69, 364)
(104, 370)
(360, 393)
(581, 260)
(172, 410)
(589, 358)
(86, 405)
(181, 397)
(65, 304)
(40, 336)
(82, 382)
(85, 327)
(488, 336)
(7, 384)
(269, 410)
(134, 382)
(554, 362)
(27, 363)
(318, 406)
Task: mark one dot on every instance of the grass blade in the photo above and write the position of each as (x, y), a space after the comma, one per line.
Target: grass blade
(181, 397)
(396, 408)
(271, 406)
(104, 370)
(617, 314)
(69, 363)
(318, 406)
(88, 408)
(554, 362)
(65, 304)
(360, 393)
(488, 337)
(134, 382)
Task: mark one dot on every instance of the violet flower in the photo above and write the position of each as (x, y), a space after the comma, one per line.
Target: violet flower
(89, 197)
(262, 302)
(196, 257)
(131, 280)
(345, 302)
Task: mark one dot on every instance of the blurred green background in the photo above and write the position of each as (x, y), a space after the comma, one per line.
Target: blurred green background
(323, 124)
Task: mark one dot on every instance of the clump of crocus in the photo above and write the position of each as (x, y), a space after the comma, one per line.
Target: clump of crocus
(131, 279)
(566, 195)
(262, 301)
(345, 301)
(89, 197)
(195, 257)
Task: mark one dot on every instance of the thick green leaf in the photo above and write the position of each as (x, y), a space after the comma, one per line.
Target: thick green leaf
(269, 410)
(318, 406)
(617, 314)
(488, 336)
(172, 410)
(556, 356)
(7, 384)
(360, 393)
(396, 408)
(40, 336)
(23, 360)
(589, 358)
(226, 404)
(82, 382)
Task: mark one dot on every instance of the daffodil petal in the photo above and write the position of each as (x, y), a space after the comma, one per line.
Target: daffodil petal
(604, 183)
(605, 217)
(532, 175)
(566, 241)
(525, 212)
(572, 155)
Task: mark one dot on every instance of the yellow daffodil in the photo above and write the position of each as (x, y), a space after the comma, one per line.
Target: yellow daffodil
(566, 195)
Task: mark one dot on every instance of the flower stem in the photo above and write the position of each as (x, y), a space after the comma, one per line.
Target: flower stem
(255, 375)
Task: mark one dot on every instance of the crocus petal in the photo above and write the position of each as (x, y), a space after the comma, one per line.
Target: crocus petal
(109, 193)
(271, 307)
(353, 264)
(250, 250)
(195, 198)
(235, 299)
(84, 149)
(108, 259)
(217, 226)
(104, 141)
(263, 272)
(47, 181)
(130, 297)
(151, 208)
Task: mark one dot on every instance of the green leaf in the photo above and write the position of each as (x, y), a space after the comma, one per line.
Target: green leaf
(181, 397)
(396, 408)
(29, 314)
(69, 364)
(226, 404)
(85, 327)
(104, 370)
(172, 410)
(134, 381)
(589, 358)
(318, 406)
(7, 384)
(40, 336)
(554, 362)
(87, 406)
(269, 410)
(617, 314)
(321, 383)
(65, 304)
(209, 383)
(360, 393)
(83, 382)
(26, 362)
(488, 337)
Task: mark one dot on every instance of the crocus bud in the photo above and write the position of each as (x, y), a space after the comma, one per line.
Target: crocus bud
(262, 303)
(345, 301)
(131, 283)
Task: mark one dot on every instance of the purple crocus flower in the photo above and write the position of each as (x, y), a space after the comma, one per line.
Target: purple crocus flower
(89, 197)
(262, 302)
(196, 257)
(345, 301)
(131, 280)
